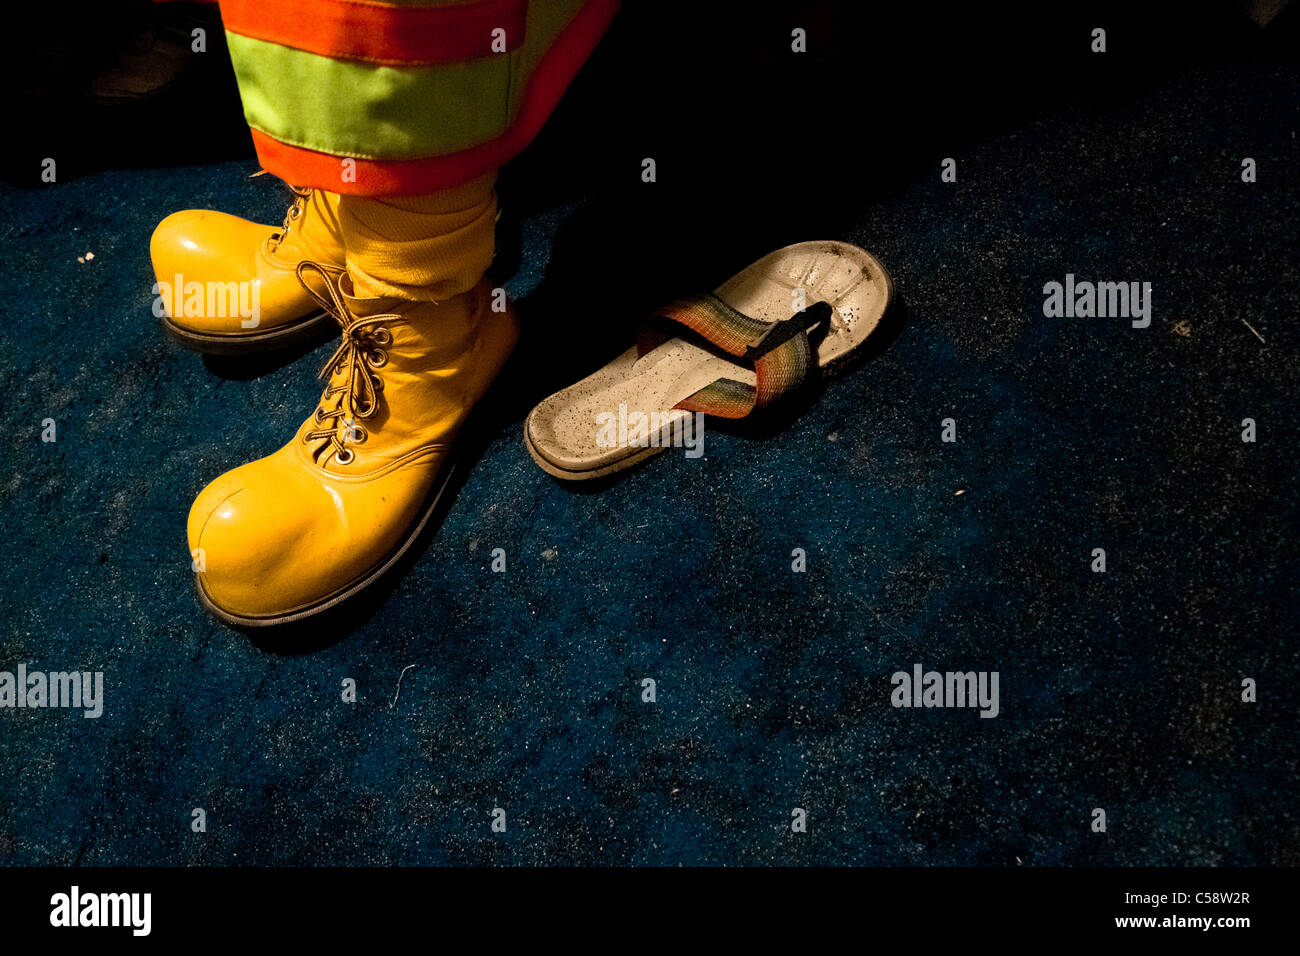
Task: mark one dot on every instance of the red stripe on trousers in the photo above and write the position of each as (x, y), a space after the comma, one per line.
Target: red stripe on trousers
(380, 32)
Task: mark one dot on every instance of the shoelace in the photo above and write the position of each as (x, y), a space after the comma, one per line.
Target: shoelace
(358, 355)
(294, 213)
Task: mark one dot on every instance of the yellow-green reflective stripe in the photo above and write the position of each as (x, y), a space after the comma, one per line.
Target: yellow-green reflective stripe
(350, 108)
(361, 109)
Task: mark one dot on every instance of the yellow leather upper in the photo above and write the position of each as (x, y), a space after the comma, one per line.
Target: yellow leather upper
(295, 528)
(204, 246)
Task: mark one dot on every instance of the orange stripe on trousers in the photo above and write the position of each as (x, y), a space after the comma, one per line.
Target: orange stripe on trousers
(380, 32)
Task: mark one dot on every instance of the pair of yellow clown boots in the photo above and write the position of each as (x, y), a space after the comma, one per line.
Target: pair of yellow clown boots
(297, 532)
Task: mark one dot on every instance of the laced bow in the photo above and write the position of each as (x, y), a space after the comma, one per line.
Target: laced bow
(358, 355)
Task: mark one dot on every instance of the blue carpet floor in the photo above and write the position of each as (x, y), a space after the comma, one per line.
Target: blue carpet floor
(1119, 690)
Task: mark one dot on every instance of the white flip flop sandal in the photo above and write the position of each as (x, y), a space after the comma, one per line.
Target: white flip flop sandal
(741, 348)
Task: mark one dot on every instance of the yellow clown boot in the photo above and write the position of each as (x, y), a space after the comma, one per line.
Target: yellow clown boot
(299, 531)
(230, 286)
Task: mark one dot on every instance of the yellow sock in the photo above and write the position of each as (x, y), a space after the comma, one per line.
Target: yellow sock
(420, 248)
(318, 236)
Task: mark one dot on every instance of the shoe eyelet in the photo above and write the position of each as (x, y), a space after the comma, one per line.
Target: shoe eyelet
(357, 434)
(316, 415)
(345, 456)
(383, 337)
(294, 212)
(377, 382)
(377, 358)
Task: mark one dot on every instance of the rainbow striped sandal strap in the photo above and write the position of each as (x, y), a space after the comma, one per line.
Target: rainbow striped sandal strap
(781, 354)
